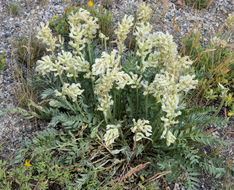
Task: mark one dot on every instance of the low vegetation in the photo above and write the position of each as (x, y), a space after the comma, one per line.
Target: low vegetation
(13, 9)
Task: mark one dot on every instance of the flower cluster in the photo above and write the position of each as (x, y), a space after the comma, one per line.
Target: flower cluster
(45, 65)
(45, 34)
(65, 62)
(144, 41)
(144, 13)
(123, 30)
(169, 85)
(71, 91)
(86, 22)
(77, 34)
(142, 129)
(111, 134)
(109, 71)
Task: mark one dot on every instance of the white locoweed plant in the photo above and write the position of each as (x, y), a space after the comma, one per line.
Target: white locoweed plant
(110, 109)
(155, 51)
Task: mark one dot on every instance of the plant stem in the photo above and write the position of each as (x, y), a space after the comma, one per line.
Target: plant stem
(115, 103)
(137, 101)
(146, 106)
(61, 79)
(90, 56)
(79, 108)
(105, 45)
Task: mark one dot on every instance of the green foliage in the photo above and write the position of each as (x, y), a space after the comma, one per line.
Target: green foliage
(198, 4)
(104, 20)
(59, 24)
(13, 9)
(213, 65)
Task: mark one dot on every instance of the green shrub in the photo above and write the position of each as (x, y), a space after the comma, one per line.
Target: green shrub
(116, 118)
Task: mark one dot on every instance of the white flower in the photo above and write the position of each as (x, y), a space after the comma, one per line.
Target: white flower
(166, 46)
(143, 31)
(71, 91)
(123, 79)
(79, 41)
(146, 86)
(86, 22)
(144, 13)
(111, 134)
(222, 89)
(135, 81)
(105, 102)
(45, 34)
(45, 65)
(169, 136)
(187, 83)
(170, 103)
(123, 30)
(102, 36)
(142, 129)
(82, 65)
(105, 62)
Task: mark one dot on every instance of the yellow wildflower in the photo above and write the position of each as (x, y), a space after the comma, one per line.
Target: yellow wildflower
(55, 16)
(229, 98)
(229, 114)
(2, 60)
(90, 4)
(27, 163)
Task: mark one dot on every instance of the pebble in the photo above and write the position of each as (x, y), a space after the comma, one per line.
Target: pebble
(7, 35)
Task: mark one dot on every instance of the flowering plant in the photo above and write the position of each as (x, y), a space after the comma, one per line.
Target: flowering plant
(156, 51)
(118, 103)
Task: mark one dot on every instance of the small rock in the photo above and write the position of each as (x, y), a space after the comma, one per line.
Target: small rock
(7, 35)
(223, 10)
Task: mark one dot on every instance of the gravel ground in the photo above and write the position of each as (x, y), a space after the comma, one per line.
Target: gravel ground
(13, 128)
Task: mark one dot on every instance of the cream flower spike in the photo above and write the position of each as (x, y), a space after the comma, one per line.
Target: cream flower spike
(144, 13)
(45, 34)
(111, 134)
(70, 90)
(123, 30)
(142, 129)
